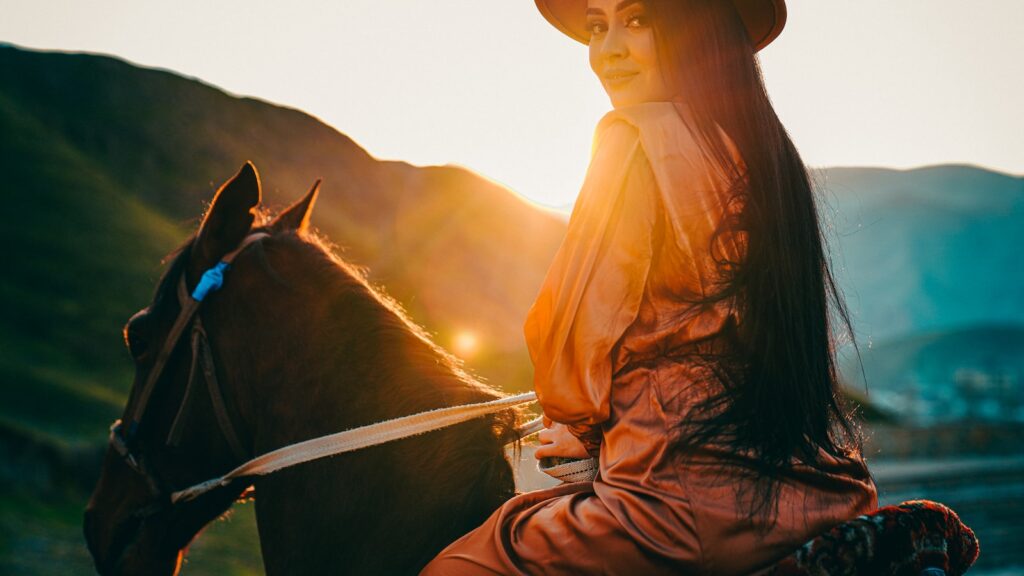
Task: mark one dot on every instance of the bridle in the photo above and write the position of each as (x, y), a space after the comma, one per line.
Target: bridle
(124, 435)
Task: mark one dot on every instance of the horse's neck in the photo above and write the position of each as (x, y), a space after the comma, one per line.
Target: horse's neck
(385, 509)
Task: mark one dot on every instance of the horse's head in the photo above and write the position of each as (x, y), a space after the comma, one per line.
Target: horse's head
(177, 429)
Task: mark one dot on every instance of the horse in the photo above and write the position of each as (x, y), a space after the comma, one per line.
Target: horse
(295, 344)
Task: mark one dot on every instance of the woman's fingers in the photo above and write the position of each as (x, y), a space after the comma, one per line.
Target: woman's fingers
(558, 441)
(560, 450)
(545, 451)
(546, 436)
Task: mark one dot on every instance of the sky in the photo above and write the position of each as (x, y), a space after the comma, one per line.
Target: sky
(491, 86)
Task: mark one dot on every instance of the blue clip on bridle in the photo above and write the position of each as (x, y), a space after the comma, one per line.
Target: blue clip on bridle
(211, 280)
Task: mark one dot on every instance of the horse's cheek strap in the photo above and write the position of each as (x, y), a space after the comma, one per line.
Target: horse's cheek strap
(220, 408)
(202, 358)
(188, 309)
(178, 425)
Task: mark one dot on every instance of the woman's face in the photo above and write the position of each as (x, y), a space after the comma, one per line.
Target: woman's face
(623, 53)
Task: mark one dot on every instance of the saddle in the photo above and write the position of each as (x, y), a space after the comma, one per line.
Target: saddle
(915, 538)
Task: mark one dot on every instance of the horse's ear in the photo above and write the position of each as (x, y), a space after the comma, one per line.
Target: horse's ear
(296, 216)
(229, 218)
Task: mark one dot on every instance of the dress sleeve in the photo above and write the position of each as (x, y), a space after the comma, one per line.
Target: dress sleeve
(593, 288)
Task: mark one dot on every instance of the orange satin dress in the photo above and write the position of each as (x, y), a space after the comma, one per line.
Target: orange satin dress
(605, 335)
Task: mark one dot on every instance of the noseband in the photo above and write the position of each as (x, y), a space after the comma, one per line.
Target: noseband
(123, 435)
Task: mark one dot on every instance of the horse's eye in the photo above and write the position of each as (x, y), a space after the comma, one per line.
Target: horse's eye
(135, 334)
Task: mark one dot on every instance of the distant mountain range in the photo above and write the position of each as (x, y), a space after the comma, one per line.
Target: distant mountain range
(927, 249)
(930, 261)
(946, 376)
(105, 166)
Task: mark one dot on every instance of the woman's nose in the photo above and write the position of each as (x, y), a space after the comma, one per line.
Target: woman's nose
(613, 46)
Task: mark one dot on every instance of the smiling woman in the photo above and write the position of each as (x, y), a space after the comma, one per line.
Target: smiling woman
(623, 54)
(681, 334)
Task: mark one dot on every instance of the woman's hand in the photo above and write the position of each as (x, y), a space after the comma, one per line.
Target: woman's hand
(557, 441)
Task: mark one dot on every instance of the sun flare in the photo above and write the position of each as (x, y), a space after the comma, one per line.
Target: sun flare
(465, 343)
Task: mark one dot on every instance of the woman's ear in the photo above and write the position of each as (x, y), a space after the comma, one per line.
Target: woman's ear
(228, 220)
(296, 216)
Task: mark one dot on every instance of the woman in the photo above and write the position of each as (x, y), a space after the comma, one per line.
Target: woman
(682, 332)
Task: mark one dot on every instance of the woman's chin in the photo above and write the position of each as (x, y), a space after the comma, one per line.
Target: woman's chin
(624, 100)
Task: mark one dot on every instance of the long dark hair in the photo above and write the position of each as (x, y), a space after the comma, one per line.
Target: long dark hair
(781, 401)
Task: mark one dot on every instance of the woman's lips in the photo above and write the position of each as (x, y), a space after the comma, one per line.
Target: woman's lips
(619, 79)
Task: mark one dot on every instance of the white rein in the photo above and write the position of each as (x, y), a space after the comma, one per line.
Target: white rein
(349, 440)
(362, 437)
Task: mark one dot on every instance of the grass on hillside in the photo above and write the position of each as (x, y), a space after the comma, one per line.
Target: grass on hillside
(43, 536)
(64, 369)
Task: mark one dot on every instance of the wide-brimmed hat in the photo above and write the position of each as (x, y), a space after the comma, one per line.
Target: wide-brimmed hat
(764, 19)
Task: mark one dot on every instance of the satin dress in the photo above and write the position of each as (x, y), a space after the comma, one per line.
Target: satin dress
(608, 335)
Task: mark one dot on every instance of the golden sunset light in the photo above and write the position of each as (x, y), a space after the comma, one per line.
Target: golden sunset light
(465, 343)
(512, 287)
(494, 88)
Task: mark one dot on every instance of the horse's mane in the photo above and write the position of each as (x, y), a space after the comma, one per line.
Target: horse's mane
(388, 314)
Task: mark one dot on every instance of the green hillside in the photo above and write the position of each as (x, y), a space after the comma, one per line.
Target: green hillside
(109, 165)
(85, 254)
(170, 140)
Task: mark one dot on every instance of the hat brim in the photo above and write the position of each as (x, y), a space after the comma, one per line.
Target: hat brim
(764, 19)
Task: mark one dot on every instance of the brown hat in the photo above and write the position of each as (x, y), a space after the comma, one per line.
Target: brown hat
(764, 18)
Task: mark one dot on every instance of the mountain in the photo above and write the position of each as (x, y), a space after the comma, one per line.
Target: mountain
(107, 166)
(929, 260)
(943, 376)
(926, 249)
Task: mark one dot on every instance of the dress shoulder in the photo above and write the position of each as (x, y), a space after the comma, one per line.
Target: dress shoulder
(695, 194)
(594, 285)
(646, 173)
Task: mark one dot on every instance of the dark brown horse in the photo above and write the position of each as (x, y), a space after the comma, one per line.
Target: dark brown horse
(301, 346)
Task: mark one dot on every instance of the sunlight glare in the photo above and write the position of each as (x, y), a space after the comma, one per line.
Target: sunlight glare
(465, 343)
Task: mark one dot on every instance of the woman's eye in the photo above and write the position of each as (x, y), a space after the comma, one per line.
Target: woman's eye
(595, 27)
(638, 21)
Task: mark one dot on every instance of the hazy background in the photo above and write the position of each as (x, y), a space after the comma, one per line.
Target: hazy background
(490, 85)
(431, 123)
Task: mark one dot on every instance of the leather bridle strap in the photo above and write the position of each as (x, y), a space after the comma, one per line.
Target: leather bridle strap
(188, 309)
(189, 305)
(216, 393)
(202, 358)
(178, 424)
